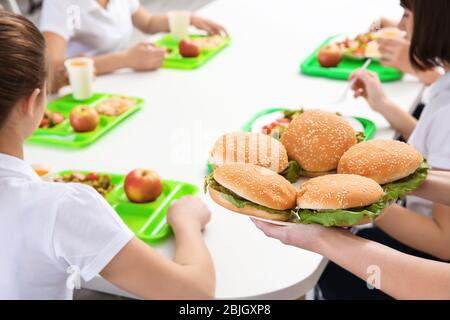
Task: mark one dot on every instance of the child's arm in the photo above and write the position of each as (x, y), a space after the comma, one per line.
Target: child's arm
(368, 86)
(142, 57)
(436, 188)
(140, 270)
(402, 276)
(151, 24)
(430, 235)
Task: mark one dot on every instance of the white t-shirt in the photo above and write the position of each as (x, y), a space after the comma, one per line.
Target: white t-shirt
(432, 134)
(88, 28)
(46, 228)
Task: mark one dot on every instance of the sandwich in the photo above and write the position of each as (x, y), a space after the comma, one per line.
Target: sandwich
(340, 200)
(252, 190)
(315, 141)
(254, 148)
(396, 166)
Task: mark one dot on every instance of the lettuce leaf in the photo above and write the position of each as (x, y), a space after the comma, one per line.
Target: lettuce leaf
(293, 172)
(404, 186)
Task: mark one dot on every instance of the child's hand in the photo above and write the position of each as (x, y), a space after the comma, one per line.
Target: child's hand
(395, 54)
(368, 86)
(302, 236)
(145, 57)
(209, 26)
(381, 23)
(188, 211)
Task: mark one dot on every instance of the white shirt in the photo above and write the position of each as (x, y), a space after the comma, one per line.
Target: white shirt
(46, 228)
(88, 28)
(432, 134)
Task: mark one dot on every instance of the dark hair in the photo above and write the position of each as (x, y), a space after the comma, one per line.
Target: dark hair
(430, 43)
(23, 61)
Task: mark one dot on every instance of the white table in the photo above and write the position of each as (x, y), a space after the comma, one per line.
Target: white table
(187, 111)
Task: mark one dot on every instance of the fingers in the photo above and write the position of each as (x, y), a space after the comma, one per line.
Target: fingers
(271, 230)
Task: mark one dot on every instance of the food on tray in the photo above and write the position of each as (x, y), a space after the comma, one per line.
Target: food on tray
(315, 142)
(115, 106)
(41, 169)
(84, 119)
(51, 120)
(101, 183)
(340, 200)
(189, 49)
(252, 190)
(143, 186)
(363, 46)
(397, 166)
(255, 148)
(208, 43)
(330, 56)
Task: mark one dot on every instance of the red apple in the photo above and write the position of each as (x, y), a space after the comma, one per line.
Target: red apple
(143, 185)
(330, 56)
(189, 49)
(84, 119)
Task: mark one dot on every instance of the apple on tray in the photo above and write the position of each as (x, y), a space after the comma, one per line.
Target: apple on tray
(189, 49)
(84, 119)
(330, 56)
(143, 186)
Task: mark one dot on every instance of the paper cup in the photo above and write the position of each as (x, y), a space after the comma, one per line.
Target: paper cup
(179, 22)
(81, 76)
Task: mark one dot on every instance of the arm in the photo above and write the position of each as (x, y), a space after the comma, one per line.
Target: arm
(368, 86)
(140, 270)
(430, 235)
(436, 188)
(56, 48)
(151, 24)
(398, 271)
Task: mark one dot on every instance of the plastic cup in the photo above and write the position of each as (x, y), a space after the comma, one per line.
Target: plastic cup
(81, 77)
(390, 33)
(179, 22)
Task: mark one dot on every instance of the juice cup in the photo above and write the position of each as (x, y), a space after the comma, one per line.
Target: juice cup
(179, 22)
(81, 76)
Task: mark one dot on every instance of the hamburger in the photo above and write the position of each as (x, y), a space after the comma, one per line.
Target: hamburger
(315, 141)
(395, 165)
(255, 148)
(340, 200)
(252, 190)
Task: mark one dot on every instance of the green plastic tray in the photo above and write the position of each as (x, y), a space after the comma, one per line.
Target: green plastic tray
(343, 71)
(147, 221)
(175, 61)
(65, 137)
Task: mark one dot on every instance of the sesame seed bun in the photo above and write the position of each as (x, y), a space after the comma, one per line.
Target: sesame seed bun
(247, 210)
(255, 148)
(257, 184)
(338, 191)
(317, 140)
(384, 161)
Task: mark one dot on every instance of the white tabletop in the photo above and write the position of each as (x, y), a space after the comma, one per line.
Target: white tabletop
(187, 110)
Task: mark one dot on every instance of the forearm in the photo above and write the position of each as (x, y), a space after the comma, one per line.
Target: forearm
(416, 231)
(398, 271)
(110, 62)
(436, 188)
(191, 252)
(399, 119)
(156, 24)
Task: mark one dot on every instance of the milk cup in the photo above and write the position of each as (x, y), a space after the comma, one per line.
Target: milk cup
(179, 22)
(81, 76)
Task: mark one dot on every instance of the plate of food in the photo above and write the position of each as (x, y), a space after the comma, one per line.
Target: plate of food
(193, 52)
(340, 55)
(68, 123)
(349, 184)
(141, 198)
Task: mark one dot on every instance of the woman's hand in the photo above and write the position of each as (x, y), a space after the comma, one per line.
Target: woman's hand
(368, 86)
(308, 237)
(381, 23)
(144, 57)
(188, 211)
(207, 25)
(395, 54)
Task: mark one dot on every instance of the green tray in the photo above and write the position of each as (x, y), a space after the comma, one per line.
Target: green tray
(147, 221)
(343, 71)
(65, 137)
(175, 61)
